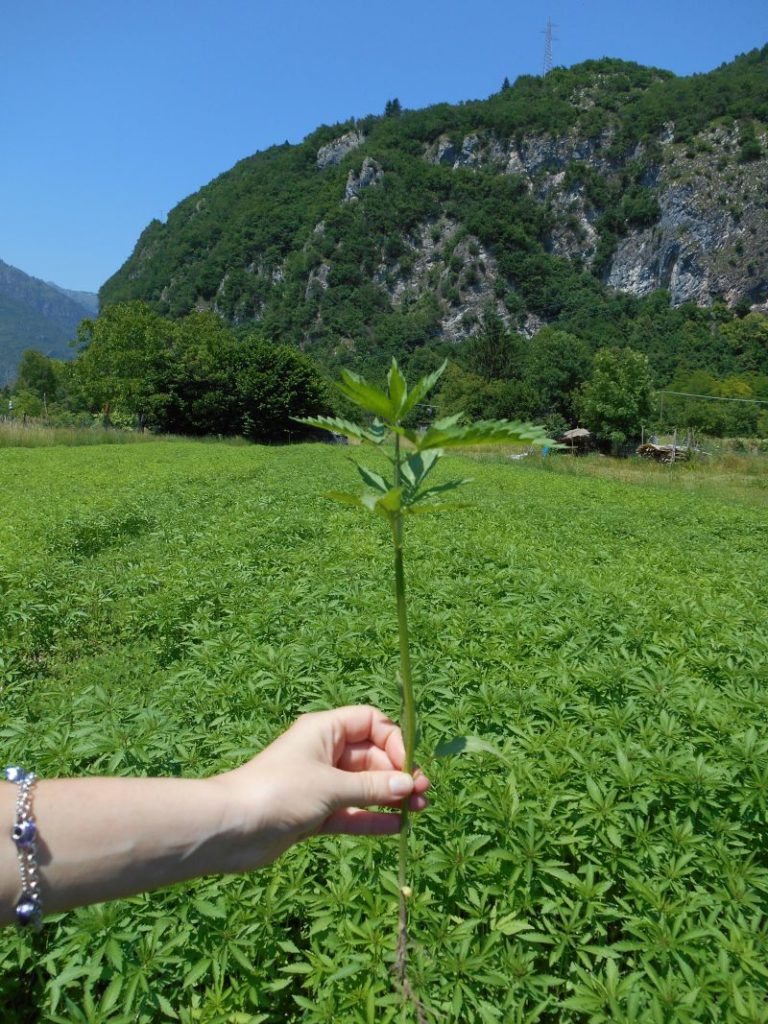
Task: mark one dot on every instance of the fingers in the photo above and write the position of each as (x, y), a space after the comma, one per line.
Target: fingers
(370, 788)
(356, 821)
(358, 723)
(366, 756)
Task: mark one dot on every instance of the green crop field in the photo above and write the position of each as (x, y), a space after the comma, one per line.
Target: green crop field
(169, 608)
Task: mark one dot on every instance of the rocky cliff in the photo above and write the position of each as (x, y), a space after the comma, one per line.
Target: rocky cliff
(603, 179)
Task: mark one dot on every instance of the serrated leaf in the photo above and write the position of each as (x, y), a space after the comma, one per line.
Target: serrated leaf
(392, 500)
(511, 925)
(417, 466)
(447, 434)
(300, 968)
(111, 994)
(385, 505)
(614, 835)
(374, 434)
(373, 479)
(561, 874)
(467, 745)
(447, 421)
(366, 396)
(208, 909)
(199, 969)
(165, 1006)
(594, 790)
(398, 389)
(421, 389)
(347, 499)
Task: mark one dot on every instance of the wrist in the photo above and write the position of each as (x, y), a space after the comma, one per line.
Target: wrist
(247, 825)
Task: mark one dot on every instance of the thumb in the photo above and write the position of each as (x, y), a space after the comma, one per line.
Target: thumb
(362, 789)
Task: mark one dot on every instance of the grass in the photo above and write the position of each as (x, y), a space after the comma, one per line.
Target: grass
(731, 477)
(169, 607)
(36, 434)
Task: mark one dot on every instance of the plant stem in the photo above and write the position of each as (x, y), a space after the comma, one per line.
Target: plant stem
(408, 723)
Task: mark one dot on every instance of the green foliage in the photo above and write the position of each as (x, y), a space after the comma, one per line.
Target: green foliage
(178, 604)
(737, 418)
(557, 363)
(618, 397)
(121, 354)
(272, 247)
(40, 375)
(407, 491)
(194, 376)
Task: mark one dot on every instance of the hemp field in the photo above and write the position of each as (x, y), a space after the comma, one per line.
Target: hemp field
(169, 608)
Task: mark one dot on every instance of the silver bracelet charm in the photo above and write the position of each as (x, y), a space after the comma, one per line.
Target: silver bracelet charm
(29, 909)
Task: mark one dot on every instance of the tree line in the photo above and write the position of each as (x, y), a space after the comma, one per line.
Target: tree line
(193, 376)
(197, 376)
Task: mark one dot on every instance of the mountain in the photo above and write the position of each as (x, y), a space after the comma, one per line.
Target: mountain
(90, 300)
(568, 199)
(36, 315)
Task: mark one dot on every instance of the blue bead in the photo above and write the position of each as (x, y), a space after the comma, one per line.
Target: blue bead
(26, 911)
(15, 774)
(24, 833)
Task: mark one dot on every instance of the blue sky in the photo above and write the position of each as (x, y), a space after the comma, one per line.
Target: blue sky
(113, 111)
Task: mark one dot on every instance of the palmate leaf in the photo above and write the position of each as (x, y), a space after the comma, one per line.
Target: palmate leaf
(375, 434)
(448, 434)
(366, 396)
(421, 389)
(416, 466)
(398, 390)
(385, 505)
(467, 745)
(347, 499)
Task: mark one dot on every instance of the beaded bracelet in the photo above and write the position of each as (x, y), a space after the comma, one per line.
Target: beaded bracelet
(29, 909)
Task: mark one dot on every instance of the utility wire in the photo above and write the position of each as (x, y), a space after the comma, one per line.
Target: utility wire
(714, 398)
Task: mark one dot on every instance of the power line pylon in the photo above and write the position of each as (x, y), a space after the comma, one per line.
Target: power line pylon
(548, 37)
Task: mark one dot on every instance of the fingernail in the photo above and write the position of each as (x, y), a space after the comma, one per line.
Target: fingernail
(400, 785)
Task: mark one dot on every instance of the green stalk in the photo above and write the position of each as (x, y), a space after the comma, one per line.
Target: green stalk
(408, 720)
(409, 706)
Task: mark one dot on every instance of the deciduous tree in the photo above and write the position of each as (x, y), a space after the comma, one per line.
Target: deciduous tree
(618, 398)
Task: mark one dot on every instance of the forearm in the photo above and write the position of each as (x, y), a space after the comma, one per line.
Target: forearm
(100, 839)
(104, 838)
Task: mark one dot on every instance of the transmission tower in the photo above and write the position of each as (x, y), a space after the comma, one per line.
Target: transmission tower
(548, 37)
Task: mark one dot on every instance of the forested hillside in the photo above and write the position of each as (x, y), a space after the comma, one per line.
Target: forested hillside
(571, 245)
(617, 203)
(34, 314)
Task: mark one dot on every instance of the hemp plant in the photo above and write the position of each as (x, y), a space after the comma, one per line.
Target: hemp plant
(407, 492)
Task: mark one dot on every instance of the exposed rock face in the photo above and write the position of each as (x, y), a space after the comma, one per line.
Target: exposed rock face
(318, 279)
(711, 240)
(709, 243)
(334, 152)
(459, 269)
(534, 155)
(370, 173)
(573, 234)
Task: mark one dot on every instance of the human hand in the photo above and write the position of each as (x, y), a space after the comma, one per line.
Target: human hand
(319, 776)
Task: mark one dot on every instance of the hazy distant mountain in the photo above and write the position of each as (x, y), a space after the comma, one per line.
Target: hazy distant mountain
(88, 299)
(37, 315)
